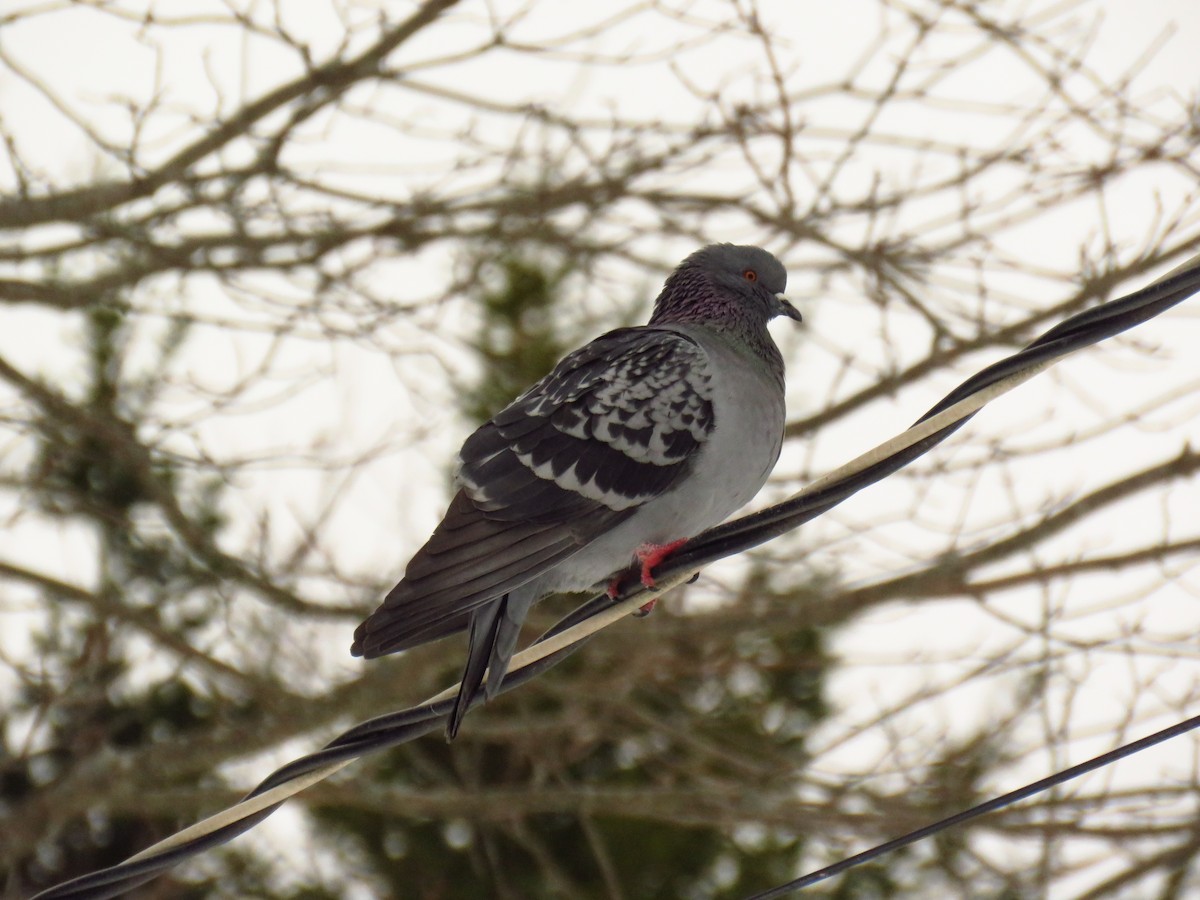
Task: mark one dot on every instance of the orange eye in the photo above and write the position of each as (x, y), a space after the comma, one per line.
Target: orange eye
(750, 275)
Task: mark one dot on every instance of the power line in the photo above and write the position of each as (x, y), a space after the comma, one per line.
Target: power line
(1023, 793)
(942, 420)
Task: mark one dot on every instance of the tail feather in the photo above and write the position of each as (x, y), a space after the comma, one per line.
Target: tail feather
(481, 639)
(495, 628)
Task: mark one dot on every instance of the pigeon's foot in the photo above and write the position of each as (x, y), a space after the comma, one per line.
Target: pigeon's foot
(614, 588)
(650, 555)
(646, 608)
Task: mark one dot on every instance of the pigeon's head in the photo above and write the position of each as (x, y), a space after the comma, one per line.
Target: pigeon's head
(726, 281)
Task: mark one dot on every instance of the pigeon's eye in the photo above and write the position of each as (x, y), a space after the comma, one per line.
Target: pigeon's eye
(750, 275)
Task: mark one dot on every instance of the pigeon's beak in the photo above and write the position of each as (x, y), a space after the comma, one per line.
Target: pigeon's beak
(785, 308)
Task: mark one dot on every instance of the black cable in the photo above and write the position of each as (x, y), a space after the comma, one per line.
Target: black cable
(1074, 333)
(1051, 781)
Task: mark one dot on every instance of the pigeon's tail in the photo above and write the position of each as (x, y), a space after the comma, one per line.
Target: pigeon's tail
(494, 630)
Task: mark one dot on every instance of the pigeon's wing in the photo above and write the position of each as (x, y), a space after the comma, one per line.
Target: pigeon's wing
(616, 423)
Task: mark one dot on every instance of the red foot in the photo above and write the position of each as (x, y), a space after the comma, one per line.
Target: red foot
(646, 608)
(614, 588)
(650, 555)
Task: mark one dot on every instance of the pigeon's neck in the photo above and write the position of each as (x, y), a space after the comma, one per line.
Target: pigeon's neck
(691, 301)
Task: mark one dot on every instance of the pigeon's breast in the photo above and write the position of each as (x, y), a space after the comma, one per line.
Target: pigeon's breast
(748, 413)
(728, 469)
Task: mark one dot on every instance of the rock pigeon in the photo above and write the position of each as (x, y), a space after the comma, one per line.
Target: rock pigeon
(632, 444)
